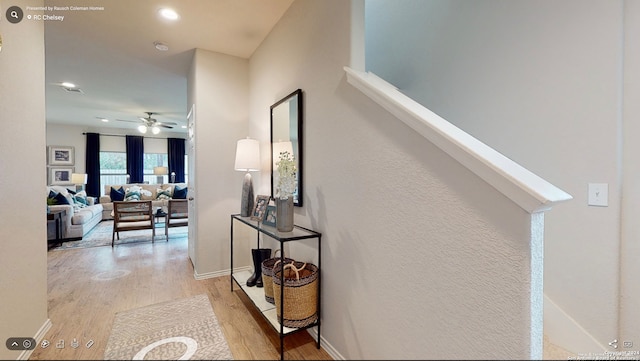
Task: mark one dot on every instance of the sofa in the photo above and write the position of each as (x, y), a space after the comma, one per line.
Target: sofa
(82, 212)
(158, 194)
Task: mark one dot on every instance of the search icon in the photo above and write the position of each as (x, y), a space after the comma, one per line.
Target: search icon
(14, 14)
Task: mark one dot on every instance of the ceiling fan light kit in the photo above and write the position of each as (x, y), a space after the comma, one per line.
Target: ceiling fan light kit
(150, 123)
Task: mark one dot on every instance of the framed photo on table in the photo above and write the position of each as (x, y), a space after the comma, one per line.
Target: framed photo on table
(60, 175)
(270, 216)
(60, 155)
(260, 207)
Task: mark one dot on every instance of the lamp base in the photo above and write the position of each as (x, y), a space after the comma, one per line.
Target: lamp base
(246, 202)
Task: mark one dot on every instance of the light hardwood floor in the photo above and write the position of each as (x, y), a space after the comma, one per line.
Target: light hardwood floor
(87, 287)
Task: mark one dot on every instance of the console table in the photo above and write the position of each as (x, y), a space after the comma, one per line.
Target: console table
(256, 294)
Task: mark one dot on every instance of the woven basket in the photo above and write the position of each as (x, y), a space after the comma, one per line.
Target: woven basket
(300, 294)
(267, 273)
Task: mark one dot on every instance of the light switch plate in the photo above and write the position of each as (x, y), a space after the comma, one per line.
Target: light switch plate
(599, 194)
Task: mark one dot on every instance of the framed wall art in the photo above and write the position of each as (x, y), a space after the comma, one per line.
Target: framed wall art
(60, 155)
(270, 216)
(260, 208)
(60, 175)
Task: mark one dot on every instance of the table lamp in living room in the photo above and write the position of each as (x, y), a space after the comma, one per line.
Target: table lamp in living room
(160, 172)
(79, 179)
(247, 160)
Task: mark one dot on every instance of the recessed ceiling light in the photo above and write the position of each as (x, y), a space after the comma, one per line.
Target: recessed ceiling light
(161, 46)
(66, 84)
(104, 120)
(184, 127)
(169, 14)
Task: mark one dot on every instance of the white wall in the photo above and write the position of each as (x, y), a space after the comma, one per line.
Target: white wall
(23, 259)
(218, 85)
(518, 74)
(421, 259)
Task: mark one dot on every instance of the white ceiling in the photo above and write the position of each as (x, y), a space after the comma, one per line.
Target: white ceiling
(110, 55)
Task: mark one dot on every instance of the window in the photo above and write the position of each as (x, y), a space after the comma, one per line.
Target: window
(113, 169)
(152, 160)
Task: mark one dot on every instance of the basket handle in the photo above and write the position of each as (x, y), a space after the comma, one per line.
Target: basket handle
(296, 269)
(278, 261)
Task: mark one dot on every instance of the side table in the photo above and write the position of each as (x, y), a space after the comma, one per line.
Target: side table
(54, 218)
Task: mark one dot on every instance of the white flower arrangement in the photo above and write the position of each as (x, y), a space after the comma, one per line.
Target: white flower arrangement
(286, 175)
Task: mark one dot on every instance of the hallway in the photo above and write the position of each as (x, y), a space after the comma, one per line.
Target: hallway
(87, 287)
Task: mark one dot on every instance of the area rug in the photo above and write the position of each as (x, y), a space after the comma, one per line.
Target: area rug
(175, 330)
(100, 235)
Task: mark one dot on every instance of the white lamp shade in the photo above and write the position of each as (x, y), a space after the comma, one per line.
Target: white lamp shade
(248, 155)
(78, 178)
(279, 147)
(160, 170)
(142, 129)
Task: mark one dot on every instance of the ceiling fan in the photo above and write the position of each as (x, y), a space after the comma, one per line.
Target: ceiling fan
(150, 123)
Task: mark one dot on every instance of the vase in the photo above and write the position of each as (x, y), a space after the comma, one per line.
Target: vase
(284, 214)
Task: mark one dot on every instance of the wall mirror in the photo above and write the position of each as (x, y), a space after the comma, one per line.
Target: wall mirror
(286, 134)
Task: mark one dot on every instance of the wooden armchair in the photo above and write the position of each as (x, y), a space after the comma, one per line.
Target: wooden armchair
(132, 215)
(177, 215)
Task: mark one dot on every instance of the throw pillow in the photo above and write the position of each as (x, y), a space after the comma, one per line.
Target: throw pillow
(51, 198)
(117, 194)
(146, 195)
(180, 193)
(81, 198)
(163, 193)
(61, 199)
(132, 194)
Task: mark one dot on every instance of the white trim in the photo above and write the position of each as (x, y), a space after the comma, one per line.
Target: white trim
(39, 336)
(203, 276)
(564, 331)
(529, 191)
(313, 331)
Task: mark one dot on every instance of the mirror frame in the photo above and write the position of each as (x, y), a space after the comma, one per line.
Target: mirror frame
(299, 159)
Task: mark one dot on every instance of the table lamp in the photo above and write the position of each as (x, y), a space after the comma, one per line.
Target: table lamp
(160, 172)
(79, 179)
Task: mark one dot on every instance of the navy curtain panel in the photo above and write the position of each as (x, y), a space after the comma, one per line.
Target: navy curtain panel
(92, 164)
(135, 158)
(175, 150)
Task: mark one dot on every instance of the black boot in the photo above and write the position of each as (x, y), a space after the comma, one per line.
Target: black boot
(258, 255)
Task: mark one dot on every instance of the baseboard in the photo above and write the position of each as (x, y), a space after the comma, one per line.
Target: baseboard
(565, 332)
(325, 345)
(39, 336)
(203, 276)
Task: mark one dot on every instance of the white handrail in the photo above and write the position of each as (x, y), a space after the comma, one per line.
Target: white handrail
(529, 191)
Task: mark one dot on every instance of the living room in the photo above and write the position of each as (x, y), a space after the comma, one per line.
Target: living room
(376, 208)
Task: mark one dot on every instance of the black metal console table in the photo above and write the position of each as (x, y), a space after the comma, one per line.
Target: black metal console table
(256, 294)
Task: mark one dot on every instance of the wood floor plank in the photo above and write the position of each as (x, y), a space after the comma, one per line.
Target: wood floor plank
(87, 287)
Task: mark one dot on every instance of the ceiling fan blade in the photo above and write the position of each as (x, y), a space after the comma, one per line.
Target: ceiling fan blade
(167, 123)
(164, 126)
(128, 121)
